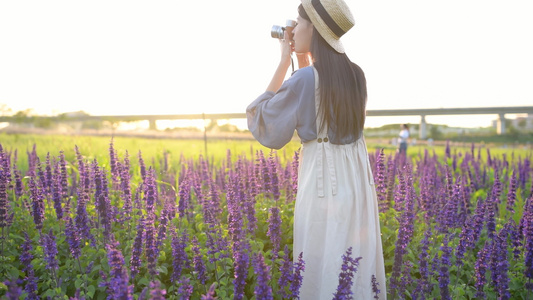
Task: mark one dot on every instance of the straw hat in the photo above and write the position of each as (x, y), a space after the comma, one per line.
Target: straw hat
(332, 19)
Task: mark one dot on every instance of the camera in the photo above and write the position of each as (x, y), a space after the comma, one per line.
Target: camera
(278, 32)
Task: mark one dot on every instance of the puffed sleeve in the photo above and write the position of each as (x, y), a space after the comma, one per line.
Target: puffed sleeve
(272, 117)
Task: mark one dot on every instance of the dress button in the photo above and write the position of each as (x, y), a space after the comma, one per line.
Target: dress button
(319, 140)
(325, 140)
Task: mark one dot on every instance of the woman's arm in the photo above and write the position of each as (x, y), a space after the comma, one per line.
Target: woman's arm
(285, 62)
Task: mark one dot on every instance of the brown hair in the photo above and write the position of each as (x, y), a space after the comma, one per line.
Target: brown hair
(343, 91)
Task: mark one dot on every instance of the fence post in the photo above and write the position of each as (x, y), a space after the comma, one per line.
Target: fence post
(205, 136)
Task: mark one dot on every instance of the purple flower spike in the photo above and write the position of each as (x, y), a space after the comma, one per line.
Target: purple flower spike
(50, 250)
(211, 293)
(375, 289)
(73, 239)
(185, 288)
(274, 230)
(118, 284)
(179, 255)
(262, 291)
(444, 273)
(286, 273)
(348, 270)
(156, 292)
(199, 266)
(25, 259)
(135, 260)
(297, 277)
(13, 290)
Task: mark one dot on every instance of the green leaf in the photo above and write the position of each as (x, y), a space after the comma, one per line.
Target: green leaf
(91, 289)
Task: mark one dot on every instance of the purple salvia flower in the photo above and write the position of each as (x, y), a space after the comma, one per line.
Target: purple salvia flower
(50, 250)
(151, 246)
(400, 192)
(405, 232)
(82, 218)
(77, 296)
(42, 179)
(199, 266)
(184, 196)
(32, 162)
(444, 272)
(492, 206)
(64, 176)
(48, 172)
(423, 287)
(73, 239)
(161, 231)
(262, 289)
(527, 220)
(297, 277)
(142, 166)
(214, 200)
(118, 283)
(500, 264)
(113, 163)
(37, 204)
(375, 287)
(13, 290)
(286, 276)
(406, 279)
(511, 194)
(235, 217)
(380, 179)
(480, 270)
(156, 292)
(292, 178)
(241, 261)
(55, 188)
(185, 288)
(211, 293)
(103, 203)
(249, 210)
(252, 177)
(25, 260)
(348, 270)
(4, 205)
(273, 175)
(179, 255)
(150, 193)
(274, 230)
(125, 187)
(19, 185)
(137, 250)
(514, 236)
(265, 173)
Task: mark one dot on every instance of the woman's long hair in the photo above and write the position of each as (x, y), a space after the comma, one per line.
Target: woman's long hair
(343, 91)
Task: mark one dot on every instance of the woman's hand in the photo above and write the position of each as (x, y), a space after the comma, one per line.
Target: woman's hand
(284, 64)
(287, 48)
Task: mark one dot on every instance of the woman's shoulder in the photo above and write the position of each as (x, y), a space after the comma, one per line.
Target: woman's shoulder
(303, 77)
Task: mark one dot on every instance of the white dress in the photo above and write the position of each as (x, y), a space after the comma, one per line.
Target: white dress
(336, 208)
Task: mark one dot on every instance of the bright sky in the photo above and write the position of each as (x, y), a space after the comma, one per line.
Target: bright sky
(110, 57)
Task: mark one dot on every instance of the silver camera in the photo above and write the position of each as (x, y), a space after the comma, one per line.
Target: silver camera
(278, 32)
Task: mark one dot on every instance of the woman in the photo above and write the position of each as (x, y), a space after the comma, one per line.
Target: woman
(336, 205)
(404, 136)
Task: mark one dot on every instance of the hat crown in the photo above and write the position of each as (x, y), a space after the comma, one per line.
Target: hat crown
(332, 19)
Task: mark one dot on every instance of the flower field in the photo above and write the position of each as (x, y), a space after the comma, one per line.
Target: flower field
(75, 225)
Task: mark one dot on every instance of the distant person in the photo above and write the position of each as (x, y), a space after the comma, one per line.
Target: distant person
(404, 136)
(325, 101)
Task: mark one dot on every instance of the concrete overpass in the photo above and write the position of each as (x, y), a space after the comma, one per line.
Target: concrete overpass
(422, 112)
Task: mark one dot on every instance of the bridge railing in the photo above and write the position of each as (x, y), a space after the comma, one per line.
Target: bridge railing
(422, 112)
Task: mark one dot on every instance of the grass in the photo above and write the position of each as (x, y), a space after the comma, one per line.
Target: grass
(92, 147)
